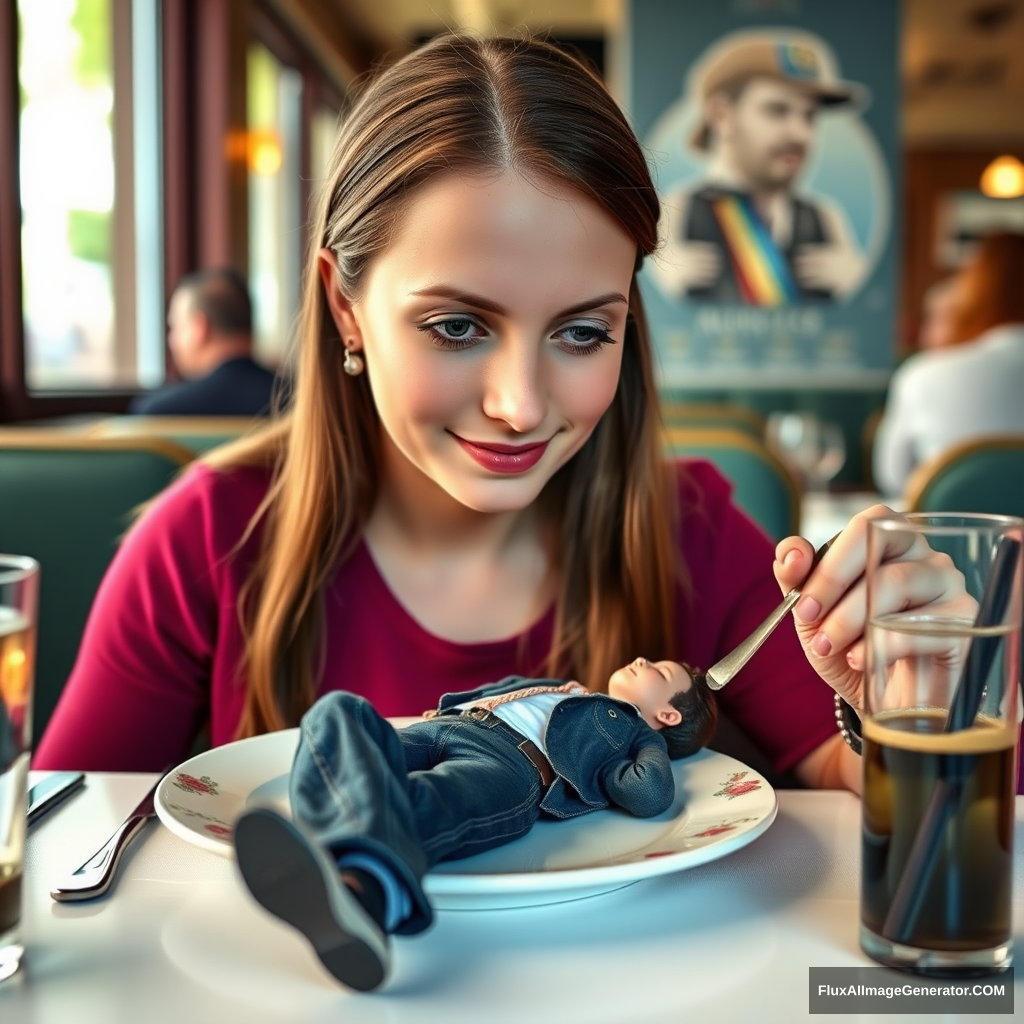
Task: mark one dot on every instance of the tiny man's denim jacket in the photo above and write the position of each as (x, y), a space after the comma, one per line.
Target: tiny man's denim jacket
(604, 754)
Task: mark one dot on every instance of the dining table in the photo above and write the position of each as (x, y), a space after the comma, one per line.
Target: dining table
(179, 939)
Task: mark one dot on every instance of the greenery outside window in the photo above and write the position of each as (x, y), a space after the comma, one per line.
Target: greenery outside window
(274, 153)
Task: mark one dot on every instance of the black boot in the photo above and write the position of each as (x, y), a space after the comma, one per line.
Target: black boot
(293, 878)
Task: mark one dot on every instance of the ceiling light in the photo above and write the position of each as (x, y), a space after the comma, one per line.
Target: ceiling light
(1003, 178)
(265, 151)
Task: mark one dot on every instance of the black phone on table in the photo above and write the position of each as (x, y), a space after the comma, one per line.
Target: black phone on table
(49, 792)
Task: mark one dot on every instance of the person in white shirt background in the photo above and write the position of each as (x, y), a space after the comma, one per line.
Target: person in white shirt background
(938, 310)
(971, 387)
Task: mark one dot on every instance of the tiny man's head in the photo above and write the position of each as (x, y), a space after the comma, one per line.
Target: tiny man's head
(671, 699)
(759, 99)
(209, 320)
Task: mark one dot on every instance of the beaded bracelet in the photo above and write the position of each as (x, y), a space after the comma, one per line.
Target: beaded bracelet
(848, 722)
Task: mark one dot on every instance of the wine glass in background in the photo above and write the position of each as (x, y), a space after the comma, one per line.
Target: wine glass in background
(814, 449)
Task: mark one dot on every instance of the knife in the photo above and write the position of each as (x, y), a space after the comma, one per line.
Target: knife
(95, 876)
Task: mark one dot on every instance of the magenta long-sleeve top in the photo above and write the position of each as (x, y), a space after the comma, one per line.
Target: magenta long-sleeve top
(161, 655)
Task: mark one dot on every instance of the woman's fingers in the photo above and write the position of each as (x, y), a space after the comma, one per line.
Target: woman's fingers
(844, 564)
(839, 569)
(793, 557)
(831, 616)
(901, 585)
(846, 679)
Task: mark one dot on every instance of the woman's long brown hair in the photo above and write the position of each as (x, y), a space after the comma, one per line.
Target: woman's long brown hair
(461, 104)
(990, 292)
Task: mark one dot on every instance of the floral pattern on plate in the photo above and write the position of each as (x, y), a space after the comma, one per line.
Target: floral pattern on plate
(737, 784)
(704, 830)
(203, 786)
(214, 825)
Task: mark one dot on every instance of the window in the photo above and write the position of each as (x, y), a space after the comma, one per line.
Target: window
(322, 133)
(67, 192)
(124, 122)
(274, 153)
(92, 313)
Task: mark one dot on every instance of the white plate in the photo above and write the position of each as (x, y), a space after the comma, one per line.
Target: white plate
(721, 805)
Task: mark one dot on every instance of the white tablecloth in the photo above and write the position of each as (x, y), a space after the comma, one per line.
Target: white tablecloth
(179, 939)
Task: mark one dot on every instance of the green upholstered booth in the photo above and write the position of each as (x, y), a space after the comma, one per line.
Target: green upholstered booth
(983, 475)
(850, 408)
(762, 486)
(66, 500)
(196, 433)
(713, 415)
(765, 489)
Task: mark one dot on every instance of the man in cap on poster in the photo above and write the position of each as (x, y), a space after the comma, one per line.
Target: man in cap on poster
(743, 235)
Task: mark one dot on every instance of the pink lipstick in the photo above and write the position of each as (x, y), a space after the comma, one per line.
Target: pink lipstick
(504, 458)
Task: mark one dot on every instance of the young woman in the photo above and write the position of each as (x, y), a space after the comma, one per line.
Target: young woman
(470, 481)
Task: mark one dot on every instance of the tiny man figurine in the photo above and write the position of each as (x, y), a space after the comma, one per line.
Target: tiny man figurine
(375, 808)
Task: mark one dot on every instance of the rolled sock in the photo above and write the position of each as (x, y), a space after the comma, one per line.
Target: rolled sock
(367, 890)
(397, 901)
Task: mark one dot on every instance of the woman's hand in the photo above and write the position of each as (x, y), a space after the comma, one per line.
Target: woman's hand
(831, 615)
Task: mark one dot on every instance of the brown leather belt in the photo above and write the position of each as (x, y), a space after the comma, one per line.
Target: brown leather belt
(532, 752)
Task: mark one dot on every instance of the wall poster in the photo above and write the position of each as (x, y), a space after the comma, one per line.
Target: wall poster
(772, 130)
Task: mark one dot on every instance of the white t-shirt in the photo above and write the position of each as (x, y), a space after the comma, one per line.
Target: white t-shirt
(940, 398)
(529, 715)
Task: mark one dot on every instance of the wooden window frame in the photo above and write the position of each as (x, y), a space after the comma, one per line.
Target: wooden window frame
(16, 401)
(203, 50)
(318, 89)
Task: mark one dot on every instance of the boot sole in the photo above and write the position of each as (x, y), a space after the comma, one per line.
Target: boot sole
(288, 878)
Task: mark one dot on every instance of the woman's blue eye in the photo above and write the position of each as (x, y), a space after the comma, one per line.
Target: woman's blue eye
(458, 332)
(455, 329)
(582, 334)
(582, 339)
(453, 332)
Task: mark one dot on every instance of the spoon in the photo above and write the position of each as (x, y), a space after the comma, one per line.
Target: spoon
(723, 671)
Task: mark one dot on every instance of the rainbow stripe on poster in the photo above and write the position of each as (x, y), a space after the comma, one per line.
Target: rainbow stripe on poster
(764, 276)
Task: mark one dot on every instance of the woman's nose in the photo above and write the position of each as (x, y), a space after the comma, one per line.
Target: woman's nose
(514, 390)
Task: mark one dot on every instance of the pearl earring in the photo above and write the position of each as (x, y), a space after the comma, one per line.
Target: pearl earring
(353, 364)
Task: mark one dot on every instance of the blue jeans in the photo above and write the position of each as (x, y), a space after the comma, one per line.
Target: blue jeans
(441, 789)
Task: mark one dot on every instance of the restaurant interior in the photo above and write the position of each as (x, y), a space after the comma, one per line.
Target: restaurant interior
(148, 140)
(198, 132)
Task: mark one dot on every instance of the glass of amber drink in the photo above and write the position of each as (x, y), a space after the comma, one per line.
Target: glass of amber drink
(19, 590)
(940, 727)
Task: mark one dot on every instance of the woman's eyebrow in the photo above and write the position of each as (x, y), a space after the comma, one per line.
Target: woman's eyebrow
(456, 294)
(611, 299)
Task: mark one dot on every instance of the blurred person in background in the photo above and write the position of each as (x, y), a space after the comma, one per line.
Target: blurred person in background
(938, 311)
(209, 334)
(971, 385)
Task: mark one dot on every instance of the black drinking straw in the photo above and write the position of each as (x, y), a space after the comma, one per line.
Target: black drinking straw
(924, 853)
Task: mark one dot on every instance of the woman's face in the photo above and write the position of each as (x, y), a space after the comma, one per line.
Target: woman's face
(492, 329)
